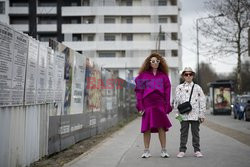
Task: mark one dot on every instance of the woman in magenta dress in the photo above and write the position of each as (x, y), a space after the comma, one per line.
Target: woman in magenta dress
(153, 100)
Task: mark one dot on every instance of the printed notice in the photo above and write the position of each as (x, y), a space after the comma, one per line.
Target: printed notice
(19, 64)
(59, 76)
(41, 75)
(50, 76)
(6, 60)
(77, 84)
(30, 87)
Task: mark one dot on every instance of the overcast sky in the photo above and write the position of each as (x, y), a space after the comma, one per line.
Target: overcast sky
(191, 10)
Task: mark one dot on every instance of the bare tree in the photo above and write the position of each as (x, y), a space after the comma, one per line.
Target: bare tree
(227, 36)
(207, 75)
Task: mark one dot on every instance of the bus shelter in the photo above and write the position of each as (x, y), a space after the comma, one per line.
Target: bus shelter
(221, 97)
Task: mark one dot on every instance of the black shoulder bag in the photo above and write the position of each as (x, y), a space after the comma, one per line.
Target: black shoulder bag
(186, 107)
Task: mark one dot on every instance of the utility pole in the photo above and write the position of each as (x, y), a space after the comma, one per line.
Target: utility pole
(158, 40)
(249, 42)
(159, 45)
(197, 46)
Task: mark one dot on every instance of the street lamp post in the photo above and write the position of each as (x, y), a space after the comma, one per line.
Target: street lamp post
(197, 41)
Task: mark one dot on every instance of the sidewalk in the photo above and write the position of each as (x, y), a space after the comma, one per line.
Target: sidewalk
(230, 122)
(124, 149)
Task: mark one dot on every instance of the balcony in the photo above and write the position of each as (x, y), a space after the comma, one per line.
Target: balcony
(119, 28)
(120, 45)
(131, 62)
(47, 10)
(46, 27)
(21, 27)
(19, 10)
(119, 10)
(40, 10)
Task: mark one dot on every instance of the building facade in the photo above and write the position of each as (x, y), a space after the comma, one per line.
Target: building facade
(117, 34)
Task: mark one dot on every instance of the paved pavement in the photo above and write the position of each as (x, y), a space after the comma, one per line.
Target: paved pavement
(124, 148)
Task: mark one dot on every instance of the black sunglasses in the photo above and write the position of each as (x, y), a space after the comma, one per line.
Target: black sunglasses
(188, 74)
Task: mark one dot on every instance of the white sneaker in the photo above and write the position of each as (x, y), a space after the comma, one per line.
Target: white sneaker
(146, 154)
(198, 154)
(181, 154)
(164, 154)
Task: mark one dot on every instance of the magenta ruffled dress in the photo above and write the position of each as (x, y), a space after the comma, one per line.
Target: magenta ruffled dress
(153, 96)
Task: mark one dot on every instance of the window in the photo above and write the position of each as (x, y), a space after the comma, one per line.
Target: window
(163, 19)
(126, 3)
(47, 3)
(173, 2)
(162, 52)
(129, 2)
(46, 37)
(47, 20)
(72, 3)
(2, 7)
(173, 19)
(174, 36)
(77, 37)
(85, 3)
(88, 20)
(162, 2)
(19, 3)
(128, 37)
(174, 53)
(109, 37)
(162, 37)
(127, 19)
(107, 54)
(90, 37)
(71, 20)
(19, 20)
(109, 20)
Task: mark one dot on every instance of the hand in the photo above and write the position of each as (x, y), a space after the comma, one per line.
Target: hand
(201, 120)
(171, 109)
(141, 113)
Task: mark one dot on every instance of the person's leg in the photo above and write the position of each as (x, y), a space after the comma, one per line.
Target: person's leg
(162, 137)
(195, 128)
(184, 136)
(146, 137)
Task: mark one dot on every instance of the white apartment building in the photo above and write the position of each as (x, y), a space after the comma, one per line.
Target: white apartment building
(117, 34)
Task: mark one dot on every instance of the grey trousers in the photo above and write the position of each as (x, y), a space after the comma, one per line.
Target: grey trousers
(195, 128)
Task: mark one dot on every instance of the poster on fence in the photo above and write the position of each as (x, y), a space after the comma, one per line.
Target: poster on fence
(31, 77)
(20, 55)
(59, 73)
(50, 76)
(69, 56)
(72, 94)
(93, 90)
(41, 75)
(77, 84)
(6, 61)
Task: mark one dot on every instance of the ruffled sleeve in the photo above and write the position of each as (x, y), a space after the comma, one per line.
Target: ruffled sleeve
(167, 93)
(139, 90)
